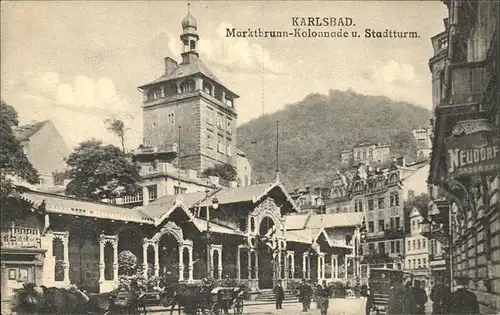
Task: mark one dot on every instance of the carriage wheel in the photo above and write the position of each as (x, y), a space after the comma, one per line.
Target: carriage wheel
(238, 307)
(215, 310)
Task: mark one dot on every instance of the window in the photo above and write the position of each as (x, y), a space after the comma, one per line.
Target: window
(398, 247)
(414, 244)
(413, 264)
(358, 206)
(220, 124)
(187, 86)
(423, 243)
(381, 203)
(409, 245)
(220, 145)
(393, 247)
(394, 198)
(419, 263)
(210, 116)
(381, 248)
(418, 244)
(381, 225)
(25, 149)
(398, 223)
(209, 141)
(413, 224)
(42, 181)
(409, 264)
(152, 192)
(179, 190)
(371, 247)
(171, 119)
(370, 204)
(229, 128)
(364, 154)
(228, 149)
(424, 262)
(358, 155)
(371, 227)
(370, 152)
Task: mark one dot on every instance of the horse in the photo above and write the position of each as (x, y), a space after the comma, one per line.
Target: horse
(189, 297)
(32, 299)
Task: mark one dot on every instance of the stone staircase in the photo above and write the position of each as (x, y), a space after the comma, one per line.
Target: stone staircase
(268, 295)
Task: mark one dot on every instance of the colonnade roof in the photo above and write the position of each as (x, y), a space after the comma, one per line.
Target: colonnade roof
(51, 203)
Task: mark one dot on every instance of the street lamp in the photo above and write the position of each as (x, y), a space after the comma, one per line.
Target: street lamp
(215, 205)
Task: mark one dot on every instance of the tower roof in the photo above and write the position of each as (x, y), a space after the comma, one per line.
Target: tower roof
(186, 70)
(189, 21)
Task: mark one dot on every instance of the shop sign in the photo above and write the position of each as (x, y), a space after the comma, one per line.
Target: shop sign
(473, 154)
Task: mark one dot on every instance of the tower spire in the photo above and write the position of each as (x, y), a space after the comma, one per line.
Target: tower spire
(189, 37)
(277, 176)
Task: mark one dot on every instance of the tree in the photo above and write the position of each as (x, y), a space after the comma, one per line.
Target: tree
(100, 171)
(223, 171)
(117, 127)
(404, 143)
(13, 161)
(127, 262)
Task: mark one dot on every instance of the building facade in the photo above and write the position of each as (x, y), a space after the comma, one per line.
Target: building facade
(424, 144)
(189, 100)
(417, 249)
(465, 165)
(366, 152)
(45, 148)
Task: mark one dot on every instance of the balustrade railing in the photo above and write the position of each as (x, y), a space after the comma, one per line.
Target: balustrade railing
(20, 237)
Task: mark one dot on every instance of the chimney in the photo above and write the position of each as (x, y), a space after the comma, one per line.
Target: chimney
(170, 65)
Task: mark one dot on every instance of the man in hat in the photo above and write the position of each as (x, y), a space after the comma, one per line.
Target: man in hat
(279, 295)
(463, 301)
(305, 295)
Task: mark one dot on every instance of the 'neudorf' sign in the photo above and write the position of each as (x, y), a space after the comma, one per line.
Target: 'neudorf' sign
(473, 154)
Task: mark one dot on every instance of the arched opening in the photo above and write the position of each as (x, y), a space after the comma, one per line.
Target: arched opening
(192, 44)
(58, 252)
(185, 261)
(170, 89)
(244, 264)
(150, 253)
(208, 88)
(266, 261)
(168, 248)
(129, 251)
(215, 264)
(108, 261)
(188, 86)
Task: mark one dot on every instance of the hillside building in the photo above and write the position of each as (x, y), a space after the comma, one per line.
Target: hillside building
(424, 144)
(45, 148)
(464, 180)
(417, 249)
(366, 152)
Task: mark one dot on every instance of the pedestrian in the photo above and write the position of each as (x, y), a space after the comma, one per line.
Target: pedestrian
(279, 295)
(440, 296)
(364, 290)
(305, 295)
(420, 298)
(396, 297)
(462, 300)
(324, 298)
(317, 289)
(369, 300)
(408, 299)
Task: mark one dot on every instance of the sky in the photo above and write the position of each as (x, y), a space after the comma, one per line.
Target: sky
(80, 63)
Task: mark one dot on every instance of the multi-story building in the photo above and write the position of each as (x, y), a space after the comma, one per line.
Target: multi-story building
(45, 148)
(366, 152)
(308, 201)
(423, 138)
(189, 126)
(464, 176)
(188, 99)
(417, 249)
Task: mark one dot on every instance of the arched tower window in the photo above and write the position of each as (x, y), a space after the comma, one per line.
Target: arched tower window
(192, 44)
(188, 86)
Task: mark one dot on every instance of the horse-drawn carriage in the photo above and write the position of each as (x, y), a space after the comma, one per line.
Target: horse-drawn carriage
(203, 300)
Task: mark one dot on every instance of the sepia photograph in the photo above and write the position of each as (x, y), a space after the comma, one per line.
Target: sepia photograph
(250, 157)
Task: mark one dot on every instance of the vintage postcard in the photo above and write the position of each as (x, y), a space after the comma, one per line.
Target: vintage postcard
(253, 157)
